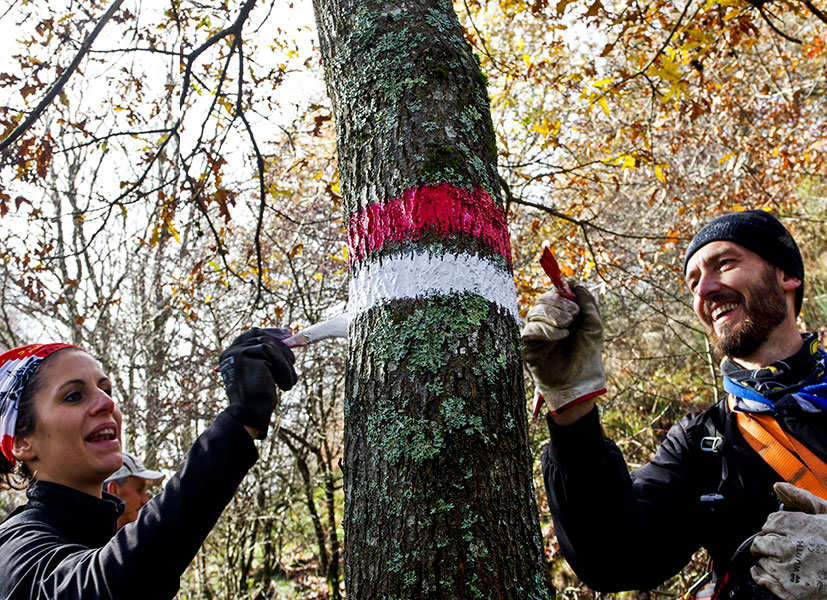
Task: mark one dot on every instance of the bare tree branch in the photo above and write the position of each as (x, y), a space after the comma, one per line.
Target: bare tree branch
(58, 86)
(234, 29)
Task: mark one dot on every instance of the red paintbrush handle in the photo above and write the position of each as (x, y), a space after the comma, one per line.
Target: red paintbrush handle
(552, 269)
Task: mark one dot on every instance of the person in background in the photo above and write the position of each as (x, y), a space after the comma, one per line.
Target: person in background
(720, 478)
(129, 483)
(61, 428)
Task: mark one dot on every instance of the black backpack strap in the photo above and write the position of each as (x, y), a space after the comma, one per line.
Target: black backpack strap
(706, 433)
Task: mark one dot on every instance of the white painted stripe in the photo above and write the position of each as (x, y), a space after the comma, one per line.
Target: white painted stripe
(422, 275)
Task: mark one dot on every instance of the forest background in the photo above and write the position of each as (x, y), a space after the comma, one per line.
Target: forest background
(182, 185)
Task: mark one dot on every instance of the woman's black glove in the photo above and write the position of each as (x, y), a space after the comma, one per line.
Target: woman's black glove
(251, 368)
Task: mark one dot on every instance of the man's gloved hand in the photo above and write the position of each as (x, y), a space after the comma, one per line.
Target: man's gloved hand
(251, 368)
(562, 347)
(792, 547)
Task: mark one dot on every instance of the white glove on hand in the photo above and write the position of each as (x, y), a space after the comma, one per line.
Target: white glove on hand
(562, 347)
(793, 547)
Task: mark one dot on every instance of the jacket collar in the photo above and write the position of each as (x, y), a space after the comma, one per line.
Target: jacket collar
(81, 518)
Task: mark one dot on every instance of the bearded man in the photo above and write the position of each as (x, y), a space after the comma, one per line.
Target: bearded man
(746, 479)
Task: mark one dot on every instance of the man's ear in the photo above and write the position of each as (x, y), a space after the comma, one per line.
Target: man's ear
(112, 488)
(23, 449)
(789, 282)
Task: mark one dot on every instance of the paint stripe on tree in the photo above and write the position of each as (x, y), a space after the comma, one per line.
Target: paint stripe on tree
(442, 209)
(421, 275)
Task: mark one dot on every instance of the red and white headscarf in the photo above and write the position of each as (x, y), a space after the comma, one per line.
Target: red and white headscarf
(16, 369)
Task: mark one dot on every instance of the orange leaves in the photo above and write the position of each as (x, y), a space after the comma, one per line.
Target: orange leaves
(4, 201)
(815, 48)
(320, 120)
(561, 6)
(33, 158)
(594, 9)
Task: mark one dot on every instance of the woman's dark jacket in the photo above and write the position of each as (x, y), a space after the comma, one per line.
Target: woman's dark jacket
(633, 531)
(62, 544)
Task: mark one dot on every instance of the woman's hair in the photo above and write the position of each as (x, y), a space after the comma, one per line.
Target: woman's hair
(19, 476)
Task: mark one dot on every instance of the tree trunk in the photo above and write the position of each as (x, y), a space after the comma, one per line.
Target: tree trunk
(439, 498)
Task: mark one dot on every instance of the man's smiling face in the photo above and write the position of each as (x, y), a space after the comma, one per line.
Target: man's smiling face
(737, 295)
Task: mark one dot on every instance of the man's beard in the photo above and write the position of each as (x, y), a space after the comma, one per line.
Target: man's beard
(766, 309)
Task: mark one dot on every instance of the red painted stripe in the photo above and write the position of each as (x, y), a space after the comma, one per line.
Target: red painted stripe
(441, 209)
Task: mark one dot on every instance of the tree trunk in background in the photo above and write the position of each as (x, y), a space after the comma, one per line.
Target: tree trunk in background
(439, 499)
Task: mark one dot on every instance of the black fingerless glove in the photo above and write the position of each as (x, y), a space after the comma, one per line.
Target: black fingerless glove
(251, 368)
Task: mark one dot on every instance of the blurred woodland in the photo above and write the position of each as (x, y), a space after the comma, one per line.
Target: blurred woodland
(181, 185)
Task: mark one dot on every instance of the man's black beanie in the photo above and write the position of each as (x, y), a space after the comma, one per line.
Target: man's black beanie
(759, 231)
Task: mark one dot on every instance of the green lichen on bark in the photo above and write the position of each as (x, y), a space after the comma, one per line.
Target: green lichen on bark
(393, 59)
(435, 433)
(426, 344)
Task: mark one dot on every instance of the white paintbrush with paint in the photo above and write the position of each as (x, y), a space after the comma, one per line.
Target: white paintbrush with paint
(330, 328)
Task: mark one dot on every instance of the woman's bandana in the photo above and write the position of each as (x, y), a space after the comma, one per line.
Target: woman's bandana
(16, 369)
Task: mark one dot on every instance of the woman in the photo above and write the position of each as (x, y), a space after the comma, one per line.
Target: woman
(62, 429)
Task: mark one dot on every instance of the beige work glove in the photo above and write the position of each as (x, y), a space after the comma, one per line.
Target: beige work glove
(792, 547)
(562, 347)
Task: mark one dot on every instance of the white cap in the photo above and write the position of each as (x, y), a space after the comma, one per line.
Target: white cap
(133, 467)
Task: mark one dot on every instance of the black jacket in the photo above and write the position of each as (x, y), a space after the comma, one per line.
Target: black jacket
(625, 531)
(62, 544)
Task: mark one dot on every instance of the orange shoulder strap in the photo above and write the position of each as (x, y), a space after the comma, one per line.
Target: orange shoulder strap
(788, 457)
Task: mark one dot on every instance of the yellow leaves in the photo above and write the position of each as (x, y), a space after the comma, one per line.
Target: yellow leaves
(661, 176)
(601, 101)
(729, 155)
(513, 6)
(626, 161)
(668, 68)
(164, 227)
(226, 104)
(603, 88)
(161, 229)
(174, 232)
(342, 258)
(275, 191)
(545, 128)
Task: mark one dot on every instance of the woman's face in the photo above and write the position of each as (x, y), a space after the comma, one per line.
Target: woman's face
(76, 438)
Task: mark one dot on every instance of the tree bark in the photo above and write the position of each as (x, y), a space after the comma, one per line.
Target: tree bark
(439, 498)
